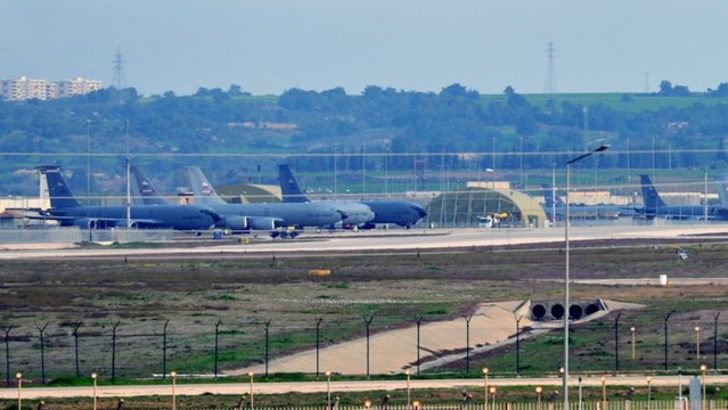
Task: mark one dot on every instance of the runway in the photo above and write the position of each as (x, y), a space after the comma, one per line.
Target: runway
(339, 386)
(401, 240)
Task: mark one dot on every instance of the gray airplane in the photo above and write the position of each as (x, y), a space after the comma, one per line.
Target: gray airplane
(262, 216)
(402, 213)
(68, 212)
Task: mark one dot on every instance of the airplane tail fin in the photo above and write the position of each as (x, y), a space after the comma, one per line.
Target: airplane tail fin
(651, 198)
(202, 189)
(550, 199)
(289, 187)
(149, 194)
(723, 192)
(60, 194)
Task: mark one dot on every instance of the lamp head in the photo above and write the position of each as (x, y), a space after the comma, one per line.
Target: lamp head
(632, 329)
(173, 374)
(367, 404)
(492, 389)
(703, 367)
(539, 389)
(251, 374)
(328, 373)
(18, 375)
(407, 372)
(486, 370)
(697, 328)
(94, 375)
(603, 379)
(649, 379)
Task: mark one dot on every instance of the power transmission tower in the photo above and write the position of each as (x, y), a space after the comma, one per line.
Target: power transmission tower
(119, 79)
(550, 84)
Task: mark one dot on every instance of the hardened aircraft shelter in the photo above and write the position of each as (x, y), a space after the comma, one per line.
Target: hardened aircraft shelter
(476, 206)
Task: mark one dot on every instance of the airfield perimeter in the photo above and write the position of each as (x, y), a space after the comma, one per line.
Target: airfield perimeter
(401, 242)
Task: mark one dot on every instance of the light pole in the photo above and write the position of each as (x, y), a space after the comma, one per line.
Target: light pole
(703, 370)
(565, 382)
(94, 376)
(649, 391)
(173, 375)
(485, 387)
(581, 406)
(492, 395)
(409, 398)
(19, 377)
(697, 342)
(251, 375)
(328, 389)
(604, 392)
(539, 390)
(633, 330)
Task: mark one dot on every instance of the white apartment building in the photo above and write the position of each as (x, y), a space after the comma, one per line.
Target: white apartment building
(24, 88)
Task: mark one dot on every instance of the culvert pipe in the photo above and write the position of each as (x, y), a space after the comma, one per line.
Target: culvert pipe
(538, 311)
(557, 311)
(592, 308)
(576, 312)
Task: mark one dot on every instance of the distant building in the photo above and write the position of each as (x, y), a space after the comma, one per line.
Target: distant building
(24, 88)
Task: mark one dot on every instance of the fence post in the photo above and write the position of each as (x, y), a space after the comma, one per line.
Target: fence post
(419, 320)
(7, 331)
(616, 342)
(318, 344)
(41, 330)
(665, 344)
(267, 346)
(467, 344)
(76, 326)
(715, 341)
(164, 350)
(217, 331)
(368, 322)
(113, 351)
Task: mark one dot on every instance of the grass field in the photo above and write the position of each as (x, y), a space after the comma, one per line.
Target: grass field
(243, 293)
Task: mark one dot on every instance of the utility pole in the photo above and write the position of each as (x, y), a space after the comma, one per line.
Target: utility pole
(550, 84)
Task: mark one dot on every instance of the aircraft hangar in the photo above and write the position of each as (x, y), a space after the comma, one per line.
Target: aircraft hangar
(476, 206)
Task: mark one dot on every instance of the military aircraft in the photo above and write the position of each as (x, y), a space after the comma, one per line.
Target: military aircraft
(555, 204)
(402, 213)
(655, 207)
(243, 217)
(263, 216)
(69, 212)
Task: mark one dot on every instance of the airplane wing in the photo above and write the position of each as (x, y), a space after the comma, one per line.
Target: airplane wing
(94, 222)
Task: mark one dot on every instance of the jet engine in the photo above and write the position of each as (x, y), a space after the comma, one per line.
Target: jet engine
(86, 223)
(237, 223)
(264, 223)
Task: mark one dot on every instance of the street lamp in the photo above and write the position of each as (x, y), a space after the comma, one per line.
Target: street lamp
(94, 376)
(415, 405)
(251, 375)
(368, 404)
(697, 342)
(492, 394)
(565, 381)
(173, 375)
(703, 370)
(328, 389)
(539, 390)
(649, 391)
(19, 377)
(485, 387)
(634, 349)
(604, 392)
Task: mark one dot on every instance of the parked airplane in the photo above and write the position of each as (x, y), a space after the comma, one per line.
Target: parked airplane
(655, 207)
(402, 213)
(262, 216)
(556, 205)
(68, 212)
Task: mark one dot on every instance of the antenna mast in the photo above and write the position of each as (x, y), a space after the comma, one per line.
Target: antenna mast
(550, 85)
(119, 79)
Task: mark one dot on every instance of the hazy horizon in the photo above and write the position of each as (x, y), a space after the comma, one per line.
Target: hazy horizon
(268, 47)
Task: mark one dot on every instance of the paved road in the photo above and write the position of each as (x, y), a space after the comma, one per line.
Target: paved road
(403, 241)
(338, 387)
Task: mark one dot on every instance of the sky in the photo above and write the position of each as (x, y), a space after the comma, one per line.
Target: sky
(269, 46)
